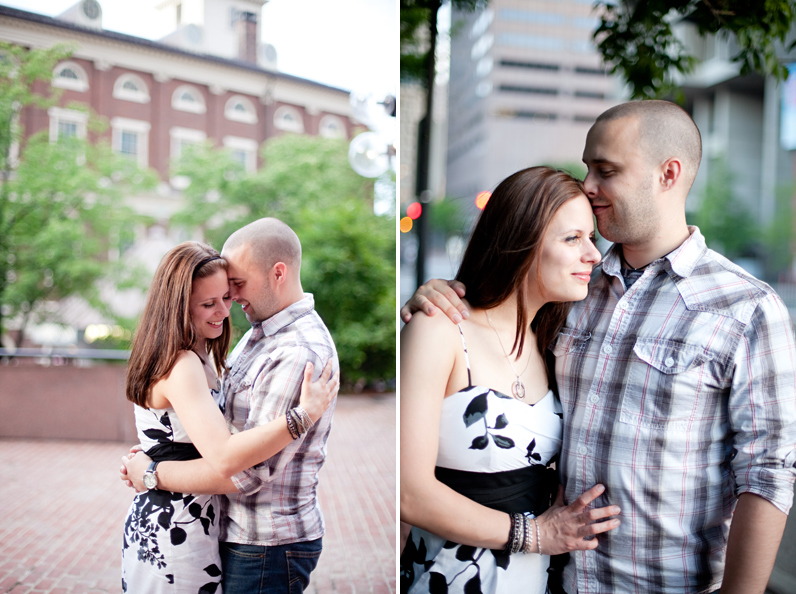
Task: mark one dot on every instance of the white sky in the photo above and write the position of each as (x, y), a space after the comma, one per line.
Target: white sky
(350, 44)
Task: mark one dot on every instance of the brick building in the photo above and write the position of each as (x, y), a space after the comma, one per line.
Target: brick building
(159, 96)
(210, 79)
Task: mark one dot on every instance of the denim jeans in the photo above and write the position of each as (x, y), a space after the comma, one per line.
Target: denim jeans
(284, 569)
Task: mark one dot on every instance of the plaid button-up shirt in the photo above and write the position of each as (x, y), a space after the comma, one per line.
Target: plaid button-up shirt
(276, 503)
(679, 394)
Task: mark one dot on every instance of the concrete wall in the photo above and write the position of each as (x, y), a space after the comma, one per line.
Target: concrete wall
(65, 402)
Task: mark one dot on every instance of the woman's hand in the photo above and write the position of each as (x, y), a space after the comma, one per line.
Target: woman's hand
(123, 469)
(134, 465)
(317, 396)
(562, 528)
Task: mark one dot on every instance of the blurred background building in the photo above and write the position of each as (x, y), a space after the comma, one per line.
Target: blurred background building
(211, 78)
(522, 85)
(525, 86)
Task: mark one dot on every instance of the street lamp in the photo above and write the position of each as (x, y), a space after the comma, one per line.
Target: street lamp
(372, 153)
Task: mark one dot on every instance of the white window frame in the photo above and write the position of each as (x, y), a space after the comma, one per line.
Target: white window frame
(325, 127)
(140, 96)
(281, 124)
(179, 135)
(80, 85)
(59, 114)
(249, 116)
(179, 104)
(248, 146)
(138, 127)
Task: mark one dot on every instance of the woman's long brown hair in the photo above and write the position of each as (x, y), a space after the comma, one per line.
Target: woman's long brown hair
(507, 241)
(165, 327)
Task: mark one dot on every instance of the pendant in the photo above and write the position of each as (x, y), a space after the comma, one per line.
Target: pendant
(518, 389)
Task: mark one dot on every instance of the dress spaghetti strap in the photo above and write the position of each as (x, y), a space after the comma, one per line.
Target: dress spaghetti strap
(466, 358)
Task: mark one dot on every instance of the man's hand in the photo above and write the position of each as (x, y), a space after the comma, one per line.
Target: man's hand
(437, 293)
(134, 467)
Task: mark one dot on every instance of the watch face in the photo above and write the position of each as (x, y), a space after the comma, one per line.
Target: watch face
(150, 480)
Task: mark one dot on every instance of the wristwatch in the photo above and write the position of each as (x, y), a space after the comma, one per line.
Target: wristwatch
(151, 477)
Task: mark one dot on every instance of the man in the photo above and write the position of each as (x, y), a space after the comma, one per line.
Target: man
(676, 376)
(271, 525)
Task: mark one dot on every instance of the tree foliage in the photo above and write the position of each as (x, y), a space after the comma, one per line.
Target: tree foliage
(637, 42)
(60, 203)
(415, 22)
(348, 260)
(728, 226)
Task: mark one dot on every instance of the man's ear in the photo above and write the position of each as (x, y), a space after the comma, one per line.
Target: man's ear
(279, 272)
(670, 173)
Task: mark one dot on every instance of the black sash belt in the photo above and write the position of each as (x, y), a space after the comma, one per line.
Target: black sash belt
(530, 489)
(161, 452)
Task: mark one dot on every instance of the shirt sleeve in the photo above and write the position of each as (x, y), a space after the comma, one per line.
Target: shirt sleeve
(762, 406)
(277, 389)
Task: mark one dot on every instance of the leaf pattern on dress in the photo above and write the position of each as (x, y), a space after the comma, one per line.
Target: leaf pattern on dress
(451, 567)
(159, 520)
(476, 410)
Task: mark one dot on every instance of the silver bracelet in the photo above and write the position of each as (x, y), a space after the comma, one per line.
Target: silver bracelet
(538, 539)
(529, 538)
(304, 416)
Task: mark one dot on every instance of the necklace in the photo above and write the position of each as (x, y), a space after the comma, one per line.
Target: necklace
(630, 268)
(517, 388)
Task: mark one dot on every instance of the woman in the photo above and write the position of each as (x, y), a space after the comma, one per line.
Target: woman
(480, 426)
(179, 349)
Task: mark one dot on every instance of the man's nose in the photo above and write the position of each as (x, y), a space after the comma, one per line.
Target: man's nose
(590, 185)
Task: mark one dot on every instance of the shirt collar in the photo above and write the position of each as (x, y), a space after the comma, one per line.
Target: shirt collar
(287, 316)
(682, 259)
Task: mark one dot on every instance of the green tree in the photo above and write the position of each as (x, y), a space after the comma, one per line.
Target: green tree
(637, 41)
(728, 226)
(778, 236)
(348, 252)
(60, 203)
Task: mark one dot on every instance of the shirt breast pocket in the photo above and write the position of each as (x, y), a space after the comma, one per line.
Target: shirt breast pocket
(668, 383)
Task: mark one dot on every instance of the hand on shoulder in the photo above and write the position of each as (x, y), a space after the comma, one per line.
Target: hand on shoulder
(431, 327)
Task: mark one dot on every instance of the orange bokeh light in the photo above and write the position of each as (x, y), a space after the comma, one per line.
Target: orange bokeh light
(414, 210)
(482, 199)
(406, 225)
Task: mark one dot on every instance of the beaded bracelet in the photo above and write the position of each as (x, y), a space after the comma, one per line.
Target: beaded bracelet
(291, 425)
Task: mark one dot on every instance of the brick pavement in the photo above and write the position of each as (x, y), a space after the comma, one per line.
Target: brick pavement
(62, 508)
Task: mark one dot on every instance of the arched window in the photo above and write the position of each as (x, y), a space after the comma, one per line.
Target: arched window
(289, 119)
(70, 75)
(332, 127)
(130, 87)
(240, 109)
(188, 98)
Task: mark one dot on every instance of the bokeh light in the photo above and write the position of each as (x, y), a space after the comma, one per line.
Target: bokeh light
(482, 199)
(414, 210)
(406, 225)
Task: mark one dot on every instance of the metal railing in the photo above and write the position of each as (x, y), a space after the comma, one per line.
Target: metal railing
(66, 353)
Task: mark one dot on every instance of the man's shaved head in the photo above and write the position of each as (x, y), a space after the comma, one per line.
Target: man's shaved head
(666, 131)
(269, 241)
